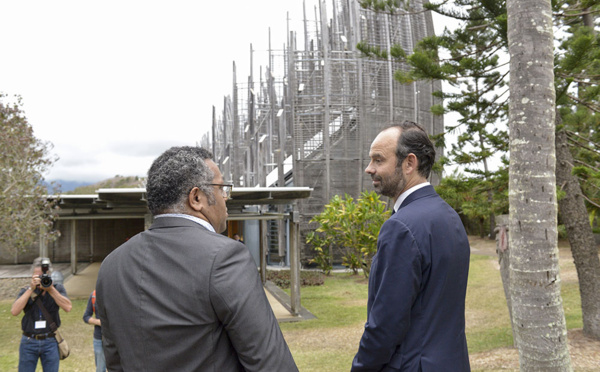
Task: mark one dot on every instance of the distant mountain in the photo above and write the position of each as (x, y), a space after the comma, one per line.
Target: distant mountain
(117, 182)
(65, 186)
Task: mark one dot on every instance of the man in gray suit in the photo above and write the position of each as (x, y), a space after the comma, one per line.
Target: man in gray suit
(181, 296)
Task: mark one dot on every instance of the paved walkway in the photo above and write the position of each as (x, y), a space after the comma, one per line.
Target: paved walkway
(82, 284)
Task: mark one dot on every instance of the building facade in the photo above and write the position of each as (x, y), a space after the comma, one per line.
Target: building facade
(309, 116)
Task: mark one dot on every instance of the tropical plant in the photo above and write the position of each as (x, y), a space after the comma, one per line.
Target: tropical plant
(322, 248)
(348, 229)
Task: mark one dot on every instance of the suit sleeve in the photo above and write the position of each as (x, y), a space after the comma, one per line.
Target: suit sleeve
(394, 286)
(241, 304)
(111, 354)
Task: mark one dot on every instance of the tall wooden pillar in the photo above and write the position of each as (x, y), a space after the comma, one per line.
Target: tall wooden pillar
(294, 265)
(263, 251)
(73, 247)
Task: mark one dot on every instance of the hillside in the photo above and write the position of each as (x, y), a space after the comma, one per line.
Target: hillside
(117, 182)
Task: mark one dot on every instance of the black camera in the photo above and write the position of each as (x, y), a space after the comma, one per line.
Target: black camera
(45, 278)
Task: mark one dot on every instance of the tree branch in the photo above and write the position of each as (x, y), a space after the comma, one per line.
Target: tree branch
(569, 133)
(587, 165)
(588, 105)
(587, 183)
(391, 11)
(590, 201)
(579, 79)
(576, 15)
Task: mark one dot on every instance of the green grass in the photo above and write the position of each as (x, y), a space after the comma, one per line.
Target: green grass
(329, 342)
(488, 322)
(342, 300)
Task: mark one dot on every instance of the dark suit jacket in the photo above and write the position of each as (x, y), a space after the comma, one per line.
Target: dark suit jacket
(417, 288)
(178, 297)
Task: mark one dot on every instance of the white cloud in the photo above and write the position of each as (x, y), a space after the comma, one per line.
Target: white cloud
(112, 84)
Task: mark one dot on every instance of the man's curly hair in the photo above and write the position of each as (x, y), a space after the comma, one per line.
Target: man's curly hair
(174, 174)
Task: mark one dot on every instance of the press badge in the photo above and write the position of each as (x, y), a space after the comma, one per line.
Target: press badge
(40, 324)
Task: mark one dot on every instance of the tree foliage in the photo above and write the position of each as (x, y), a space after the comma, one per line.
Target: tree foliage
(348, 229)
(467, 196)
(25, 211)
(467, 59)
(577, 71)
(470, 59)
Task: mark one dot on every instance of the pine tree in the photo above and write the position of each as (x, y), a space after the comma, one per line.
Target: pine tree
(578, 74)
(468, 60)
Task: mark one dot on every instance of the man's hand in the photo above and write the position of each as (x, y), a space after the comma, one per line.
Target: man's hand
(35, 282)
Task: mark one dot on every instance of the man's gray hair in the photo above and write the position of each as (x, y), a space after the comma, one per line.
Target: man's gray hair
(174, 174)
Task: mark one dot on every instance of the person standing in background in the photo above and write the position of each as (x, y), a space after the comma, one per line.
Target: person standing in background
(236, 236)
(89, 317)
(38, 341)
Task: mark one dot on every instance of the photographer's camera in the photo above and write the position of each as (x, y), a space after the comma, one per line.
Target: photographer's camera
(45, 278)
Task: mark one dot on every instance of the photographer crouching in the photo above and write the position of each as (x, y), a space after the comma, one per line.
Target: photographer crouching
(38, 340)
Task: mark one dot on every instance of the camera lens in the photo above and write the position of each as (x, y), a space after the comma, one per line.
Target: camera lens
(45, 280)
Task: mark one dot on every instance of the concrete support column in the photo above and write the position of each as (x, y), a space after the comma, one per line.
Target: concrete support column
(43, 242)
(294, 265)
(91, 240)
(263, 251)
(73, 247)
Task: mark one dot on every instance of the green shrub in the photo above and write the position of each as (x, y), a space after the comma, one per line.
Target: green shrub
(323, 257)
(349, 228)
(281, 278)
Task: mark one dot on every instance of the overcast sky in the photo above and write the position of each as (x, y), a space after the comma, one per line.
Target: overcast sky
(113, 84)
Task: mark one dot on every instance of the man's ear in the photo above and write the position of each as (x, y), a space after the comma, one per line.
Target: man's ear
(196, 199)
(411, 163)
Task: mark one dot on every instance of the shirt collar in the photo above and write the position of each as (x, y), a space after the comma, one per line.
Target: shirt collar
(199, 221)
(406, 193)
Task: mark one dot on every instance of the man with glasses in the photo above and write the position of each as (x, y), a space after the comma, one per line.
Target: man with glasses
(181, 296)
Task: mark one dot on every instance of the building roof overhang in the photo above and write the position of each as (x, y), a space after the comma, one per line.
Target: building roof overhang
(132, 203)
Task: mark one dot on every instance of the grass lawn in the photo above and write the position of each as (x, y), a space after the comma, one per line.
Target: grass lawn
(329, 342)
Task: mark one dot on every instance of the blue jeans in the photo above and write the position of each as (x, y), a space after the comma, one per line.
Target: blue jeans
(99, 356)
(31, 350)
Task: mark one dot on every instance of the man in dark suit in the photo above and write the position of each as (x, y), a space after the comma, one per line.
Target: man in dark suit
(418, 280)
(181, 296)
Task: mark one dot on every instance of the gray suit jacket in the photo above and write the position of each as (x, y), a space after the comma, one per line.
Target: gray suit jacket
(178, 297)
